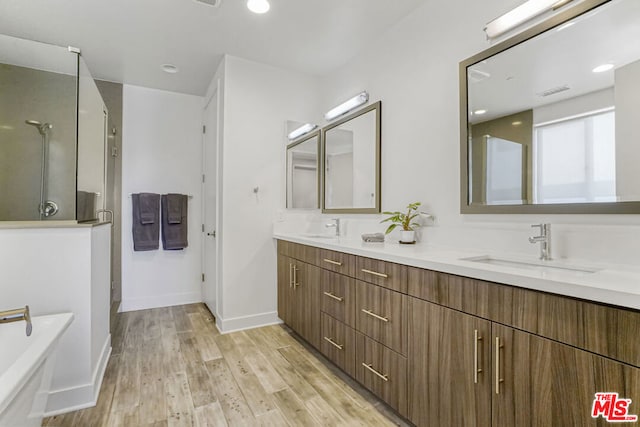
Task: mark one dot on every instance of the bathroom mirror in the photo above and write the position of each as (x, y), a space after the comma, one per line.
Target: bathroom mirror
(549, 117)
(303, 182)
(351, 163)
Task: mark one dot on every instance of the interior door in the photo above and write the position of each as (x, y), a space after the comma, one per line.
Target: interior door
(209, 191)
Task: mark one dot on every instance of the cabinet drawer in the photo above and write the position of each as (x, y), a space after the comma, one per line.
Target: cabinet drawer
(336, 261)
(339, 344)
(382, 315)
(383, 371)
(339, 297)
(382, 273)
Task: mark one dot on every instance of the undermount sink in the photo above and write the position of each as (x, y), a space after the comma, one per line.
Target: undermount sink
(533, 265)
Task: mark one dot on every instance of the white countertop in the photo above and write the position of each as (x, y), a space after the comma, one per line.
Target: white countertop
(609, 284)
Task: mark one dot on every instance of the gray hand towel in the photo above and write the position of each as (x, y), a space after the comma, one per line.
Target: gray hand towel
(373, 237)
(174, 234)
(146, 221)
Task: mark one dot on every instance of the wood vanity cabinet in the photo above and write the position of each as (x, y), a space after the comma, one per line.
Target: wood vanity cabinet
(446, 350)
(298, 297)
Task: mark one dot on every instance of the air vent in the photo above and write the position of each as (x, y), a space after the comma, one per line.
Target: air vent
(553, 91)
(477, 76)
(214, 3)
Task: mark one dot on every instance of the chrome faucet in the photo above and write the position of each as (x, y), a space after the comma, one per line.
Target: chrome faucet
(544, 239)
(336, 224)
(16, 316)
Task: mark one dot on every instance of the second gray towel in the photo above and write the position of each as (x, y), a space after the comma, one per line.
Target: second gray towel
(174, 221)
(146, 221)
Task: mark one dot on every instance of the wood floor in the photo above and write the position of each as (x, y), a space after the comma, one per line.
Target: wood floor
(171, 367)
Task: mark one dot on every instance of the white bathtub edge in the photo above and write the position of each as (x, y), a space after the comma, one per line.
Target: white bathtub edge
(85, 396)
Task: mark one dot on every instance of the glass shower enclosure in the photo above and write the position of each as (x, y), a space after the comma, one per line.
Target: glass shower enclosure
(53, 126)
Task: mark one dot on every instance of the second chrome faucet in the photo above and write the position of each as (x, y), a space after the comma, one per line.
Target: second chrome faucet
(544, 239)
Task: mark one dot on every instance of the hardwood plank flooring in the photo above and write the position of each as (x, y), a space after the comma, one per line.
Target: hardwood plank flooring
(171, 367)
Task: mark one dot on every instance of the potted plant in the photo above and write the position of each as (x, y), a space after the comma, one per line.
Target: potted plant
(406, 221)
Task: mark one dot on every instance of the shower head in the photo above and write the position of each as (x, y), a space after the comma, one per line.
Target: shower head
(42, 128)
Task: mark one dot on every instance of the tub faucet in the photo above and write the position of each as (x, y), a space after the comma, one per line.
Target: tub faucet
(16, 316)
(544, 239)
(336, 224)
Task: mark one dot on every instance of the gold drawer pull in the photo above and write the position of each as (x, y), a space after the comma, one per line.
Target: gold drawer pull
(333, 343)
(498, 379)
(476, 370)
(375, 273)
(372, 314)
(337, 298)
(332, 262)
(369, 367)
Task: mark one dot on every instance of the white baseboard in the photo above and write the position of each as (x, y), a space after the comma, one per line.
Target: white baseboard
(143, 303)
(83, 396)
(235, 324)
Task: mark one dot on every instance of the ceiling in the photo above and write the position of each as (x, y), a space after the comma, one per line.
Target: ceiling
(128, 40)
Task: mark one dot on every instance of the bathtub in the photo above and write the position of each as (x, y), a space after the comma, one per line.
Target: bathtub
(26, 367)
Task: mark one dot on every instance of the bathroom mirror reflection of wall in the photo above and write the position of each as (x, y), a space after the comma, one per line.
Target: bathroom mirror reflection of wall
(549, 120)
(351, 163)
(303, 182)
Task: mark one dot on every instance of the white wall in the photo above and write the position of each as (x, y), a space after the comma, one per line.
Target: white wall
(55, 270)
(627, 95)
(161, 153)
(258, 100)
(413, 69)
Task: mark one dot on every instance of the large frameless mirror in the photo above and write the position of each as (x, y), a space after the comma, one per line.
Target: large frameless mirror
(351, 163)
(303, 181)
(549, 117)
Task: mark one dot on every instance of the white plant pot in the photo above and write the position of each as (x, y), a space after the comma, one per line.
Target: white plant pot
(408, 236)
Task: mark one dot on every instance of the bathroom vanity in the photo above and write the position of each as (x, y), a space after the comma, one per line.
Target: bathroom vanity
(450, 343)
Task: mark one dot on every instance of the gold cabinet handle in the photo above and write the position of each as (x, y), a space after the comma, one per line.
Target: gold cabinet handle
(372, 314)
(375, 273)
(332, 262)
(333, 343)
(295, 277)
(476, 370)
(370, 368)
(290, 275)
(498, 379)
(335, 297)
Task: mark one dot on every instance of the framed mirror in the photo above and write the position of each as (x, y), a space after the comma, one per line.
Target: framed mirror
(351, 163)
(549, 117)
(303, 180)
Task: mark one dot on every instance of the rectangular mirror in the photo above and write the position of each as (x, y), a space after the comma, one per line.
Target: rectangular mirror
(351, 163)
(549, 117)
(303, 182)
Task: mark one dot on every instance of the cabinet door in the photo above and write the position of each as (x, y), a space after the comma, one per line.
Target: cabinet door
(339, 344)
(445, 348)
(306, 295)
(540, 382)
(285, 289)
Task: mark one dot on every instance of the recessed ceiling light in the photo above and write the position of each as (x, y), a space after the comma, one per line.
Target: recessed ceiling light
(258, 6)
(516, 123)
(565, 26)
(6, 127)
(602, 68)
(479, 112)
(170, 68)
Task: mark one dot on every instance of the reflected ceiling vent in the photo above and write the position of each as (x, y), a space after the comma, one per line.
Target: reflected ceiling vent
(214, 3)
(476, 76)
(553, 90)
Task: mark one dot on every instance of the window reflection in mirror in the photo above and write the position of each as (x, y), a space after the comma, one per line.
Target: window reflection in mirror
(351, 163)
(302, 172)
(548, 123)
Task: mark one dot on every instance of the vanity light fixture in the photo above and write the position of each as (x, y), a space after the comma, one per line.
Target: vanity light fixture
(347, 106)
(602, 68)
(302, 130)
(521, 14)
(170, 68)
(258, 6)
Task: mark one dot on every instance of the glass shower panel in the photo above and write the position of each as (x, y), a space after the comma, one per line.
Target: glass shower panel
(38, 92)
(92, 131)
